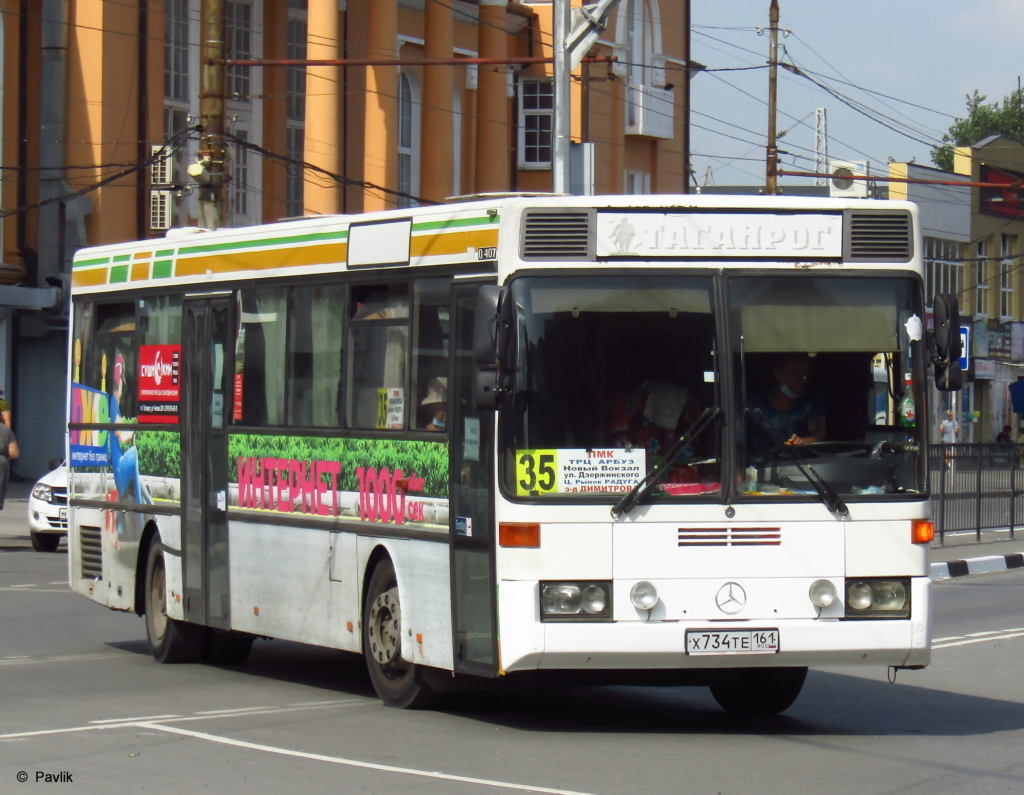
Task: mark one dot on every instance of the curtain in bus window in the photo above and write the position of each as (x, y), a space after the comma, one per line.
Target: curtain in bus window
(260, 356)
(314, 346)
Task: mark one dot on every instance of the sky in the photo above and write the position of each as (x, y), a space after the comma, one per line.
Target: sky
(910, 64)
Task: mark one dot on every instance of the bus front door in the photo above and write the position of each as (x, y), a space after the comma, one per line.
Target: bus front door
(471, 507)
(204, 477)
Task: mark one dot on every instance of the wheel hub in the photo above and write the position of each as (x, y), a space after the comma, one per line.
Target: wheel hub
(385, 626)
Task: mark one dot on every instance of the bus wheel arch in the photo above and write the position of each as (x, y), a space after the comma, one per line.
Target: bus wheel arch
(149, 534)
(170, 641)
(397, 682)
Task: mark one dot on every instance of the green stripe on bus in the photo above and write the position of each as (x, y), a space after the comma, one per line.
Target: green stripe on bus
(265, 242)
(118, 273)
(167, 252)
(163, 268)
(454, 223)
(88, 263)
(122, 258)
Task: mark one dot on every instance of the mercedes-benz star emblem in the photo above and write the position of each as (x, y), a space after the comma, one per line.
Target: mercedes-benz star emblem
(731, 598)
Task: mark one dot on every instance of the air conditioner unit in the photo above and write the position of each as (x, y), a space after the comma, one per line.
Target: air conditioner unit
(161, 210)
(840, 182)
(161, 170)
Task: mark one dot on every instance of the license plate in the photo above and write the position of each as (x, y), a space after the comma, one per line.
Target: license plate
(63, 514)
(733, 641)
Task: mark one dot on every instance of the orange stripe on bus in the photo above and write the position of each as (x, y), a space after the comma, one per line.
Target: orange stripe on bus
(143, 255)
(435, 245)
(89, 278)
(234, 261)
(140, 271)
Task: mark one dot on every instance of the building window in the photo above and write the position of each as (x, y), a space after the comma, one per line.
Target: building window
(238, 184)
(408, 140)
(982, 271)
(536, 109)
(238, 15)
(176, 85)
(1006, 269)
(943, 267)
(296, 123)
(637, 183)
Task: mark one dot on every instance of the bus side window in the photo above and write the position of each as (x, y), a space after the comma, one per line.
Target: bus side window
(430, 347)
(378, 348)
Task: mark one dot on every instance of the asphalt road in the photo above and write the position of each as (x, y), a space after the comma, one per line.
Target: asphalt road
(80, 697)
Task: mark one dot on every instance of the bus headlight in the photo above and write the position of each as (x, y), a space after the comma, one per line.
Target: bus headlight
(822, 593)
(576, 601)
(643, 595)
(878, 597)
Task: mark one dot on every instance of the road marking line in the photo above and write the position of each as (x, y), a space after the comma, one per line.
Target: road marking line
(22, 589)
(62, 658)
(337, 760)
(28, 585)
(133, 720)
(236, 710)
(969, 641)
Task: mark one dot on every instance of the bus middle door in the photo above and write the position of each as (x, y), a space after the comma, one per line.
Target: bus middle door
(204, 478)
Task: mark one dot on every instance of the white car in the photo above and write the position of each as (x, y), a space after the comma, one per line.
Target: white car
(48, 510)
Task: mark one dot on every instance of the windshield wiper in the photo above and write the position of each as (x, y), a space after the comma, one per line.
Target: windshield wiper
(654, 474)
(826, 492)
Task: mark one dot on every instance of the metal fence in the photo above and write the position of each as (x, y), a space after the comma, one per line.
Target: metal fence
(977, 487)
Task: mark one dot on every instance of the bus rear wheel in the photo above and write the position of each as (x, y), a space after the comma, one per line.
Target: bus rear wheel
(760, 691)
(170, 641)
(397, 682)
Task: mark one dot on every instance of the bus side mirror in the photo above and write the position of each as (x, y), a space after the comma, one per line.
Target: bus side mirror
(488, 340)
(949, 375)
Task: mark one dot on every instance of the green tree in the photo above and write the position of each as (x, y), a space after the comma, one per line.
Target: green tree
(981, 121)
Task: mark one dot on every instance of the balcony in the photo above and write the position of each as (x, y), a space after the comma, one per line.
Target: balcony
(650, 111)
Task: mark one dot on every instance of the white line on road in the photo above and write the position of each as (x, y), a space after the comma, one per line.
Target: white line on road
(236, 710)
(337, 760)
(133, 720)
(946, 643)
(156, 723)
(56, 658)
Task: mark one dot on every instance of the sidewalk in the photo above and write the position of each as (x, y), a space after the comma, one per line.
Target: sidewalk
(961, 554)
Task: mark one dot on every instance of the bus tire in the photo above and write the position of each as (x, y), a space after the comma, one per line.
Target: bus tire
(760, 691)
(224, 647)
(398, 683)
(170, 641)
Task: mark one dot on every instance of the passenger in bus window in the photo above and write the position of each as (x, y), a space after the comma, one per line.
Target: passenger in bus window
(653, 417)
(435, 404)
(787, 412)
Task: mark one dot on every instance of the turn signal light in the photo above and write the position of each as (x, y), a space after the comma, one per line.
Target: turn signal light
(519, 534)
(922, 531)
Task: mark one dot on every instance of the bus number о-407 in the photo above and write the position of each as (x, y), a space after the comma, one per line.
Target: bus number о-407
(732, 641)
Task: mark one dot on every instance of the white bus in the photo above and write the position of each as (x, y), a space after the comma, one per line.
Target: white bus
(515, 436)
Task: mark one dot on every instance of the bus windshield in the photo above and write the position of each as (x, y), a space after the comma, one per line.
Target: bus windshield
(610, 372)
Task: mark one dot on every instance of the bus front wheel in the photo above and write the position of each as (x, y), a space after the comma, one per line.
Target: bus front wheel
(760, 691)
(397, 682)
(170, 641)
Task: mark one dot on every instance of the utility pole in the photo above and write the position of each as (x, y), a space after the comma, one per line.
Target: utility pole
(574, 34)
(561, 119)
(209, 170)
(771, 163)
(684, 89)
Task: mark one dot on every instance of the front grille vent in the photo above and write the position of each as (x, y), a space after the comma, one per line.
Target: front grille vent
(91, 546)
(730, 536)
(879, 236)
(558, 235)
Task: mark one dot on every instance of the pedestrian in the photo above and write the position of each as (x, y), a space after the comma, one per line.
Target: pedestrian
(950, 430)
(8, 451)
(1003, 437)
(5, 409)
